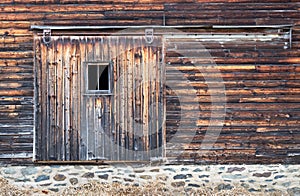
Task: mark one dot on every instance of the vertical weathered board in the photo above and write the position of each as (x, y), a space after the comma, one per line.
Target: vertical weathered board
(74, 124)
(58, 111)
(120, 125)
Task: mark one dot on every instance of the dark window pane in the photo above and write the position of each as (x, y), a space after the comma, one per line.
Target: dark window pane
(103, 79)
(92, 77)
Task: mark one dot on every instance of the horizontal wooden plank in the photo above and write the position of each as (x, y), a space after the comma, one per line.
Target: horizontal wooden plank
(231, 84)
(14, 92)
(236, 54)
(171, 130)
(206, 14)
(17, 62)
(9, 39)
(230, 60)
(237, 122)
(233, 22)
(208, 153)
(16, 54)
(14, 31)
(237, 106)
(177, 115)
(16, 85)
(24, 158)
(105, 22)
(232, 5)
(242, 137)
(238, 76)
(16, 115)
(14, 24)
(14, 131)
(15, 140)
(94, 7)
(233, 159)
(91, 1)
(15, 69)
(15, 148)
(241, 145)
(16, 77)
(15, 108)
(245, 91)
(22, 100)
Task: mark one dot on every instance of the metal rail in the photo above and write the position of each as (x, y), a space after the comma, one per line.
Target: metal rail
(38, 27)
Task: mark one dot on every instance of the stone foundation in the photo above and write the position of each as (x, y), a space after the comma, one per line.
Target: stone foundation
(252, 177)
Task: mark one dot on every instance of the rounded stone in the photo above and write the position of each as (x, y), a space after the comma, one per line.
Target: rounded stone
(170, 169)
(139, 171)
(154, 170)
(88, 175)
(203, 176)
(194, 185)
(279, 176)
(146, 177)
(48, 170)
(233, 169)
(182, 176)
(59, 177)
(55, 166)
(197, 170)
(286, 184)
(127, 171)
(22, 180)
(64, 184)
(251, 190)
(78, 167)
(28, 171)
(9, 171)
(265, 174)
(42, 178)
(104, 171)
(162, 177)
(245, 185)
(224, 187)
(73, 181)
(177, 184)
(54, 189)
(104, 176)
(128, 180)
(294, 191)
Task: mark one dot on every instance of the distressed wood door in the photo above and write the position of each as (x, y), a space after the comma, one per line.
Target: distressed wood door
(82, 116)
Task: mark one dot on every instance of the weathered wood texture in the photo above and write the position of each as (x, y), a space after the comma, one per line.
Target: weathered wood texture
(252, 107)
(75, 124)
(262, 94)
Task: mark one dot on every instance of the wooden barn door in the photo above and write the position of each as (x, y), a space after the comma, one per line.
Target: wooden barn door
(99, 98)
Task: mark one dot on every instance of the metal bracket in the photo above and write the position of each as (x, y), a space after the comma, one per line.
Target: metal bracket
(149, 36)
(47, 36)
(291, 36)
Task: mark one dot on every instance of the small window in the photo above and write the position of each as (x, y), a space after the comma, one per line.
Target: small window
(99, 77)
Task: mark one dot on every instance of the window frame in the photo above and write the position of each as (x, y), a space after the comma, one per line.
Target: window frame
(110, 78)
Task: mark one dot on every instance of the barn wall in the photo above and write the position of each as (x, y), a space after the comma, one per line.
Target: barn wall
(245, 97)
(17, 57)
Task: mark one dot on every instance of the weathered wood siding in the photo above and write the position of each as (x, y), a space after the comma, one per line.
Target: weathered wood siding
(74, 124)
(238, 89)
(262, 89)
